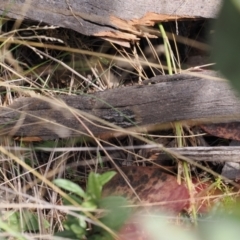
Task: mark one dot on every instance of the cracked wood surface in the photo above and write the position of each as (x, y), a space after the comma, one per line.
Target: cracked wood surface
(119, 19)
(207, 154)
(181, 97)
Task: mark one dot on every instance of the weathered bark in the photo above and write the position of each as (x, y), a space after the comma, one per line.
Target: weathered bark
(178, 98)
(119, 19)
(207, 154)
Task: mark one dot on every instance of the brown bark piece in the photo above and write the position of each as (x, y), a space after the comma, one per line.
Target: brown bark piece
(223, 130)
(114, 19)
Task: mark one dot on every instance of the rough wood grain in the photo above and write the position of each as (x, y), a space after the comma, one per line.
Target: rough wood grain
(119, 19)
(207, 154)
(182, 98)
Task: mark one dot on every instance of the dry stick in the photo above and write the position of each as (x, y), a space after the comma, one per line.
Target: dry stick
(210, 154)
(207, 154)
(199, 154)
(190, 161)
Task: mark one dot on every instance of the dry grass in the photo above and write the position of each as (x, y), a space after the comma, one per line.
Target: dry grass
(48, 61)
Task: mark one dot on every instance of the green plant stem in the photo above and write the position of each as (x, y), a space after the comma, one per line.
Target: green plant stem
(186, 170)
(11, 232)
(166, 47)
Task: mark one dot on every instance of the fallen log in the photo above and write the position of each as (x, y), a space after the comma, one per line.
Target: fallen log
(110, 19)
(182, 97)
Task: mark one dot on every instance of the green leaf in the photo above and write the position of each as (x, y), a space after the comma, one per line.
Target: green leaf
(237, 4)
(31, 221)
(106, 177)
(12, 218)
(101, 236)
(96, 182)
(70, 186)
(226, 41)
(75, 227)
(72, 220)
(117, 212)
(90, 205)
(94, 187)
(4, 227)
(78, 231)
(66, 234)
(73, 197)
(24, 221)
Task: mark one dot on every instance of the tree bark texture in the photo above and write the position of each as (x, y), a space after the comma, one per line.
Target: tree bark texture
(117, 19)
(182, 97)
